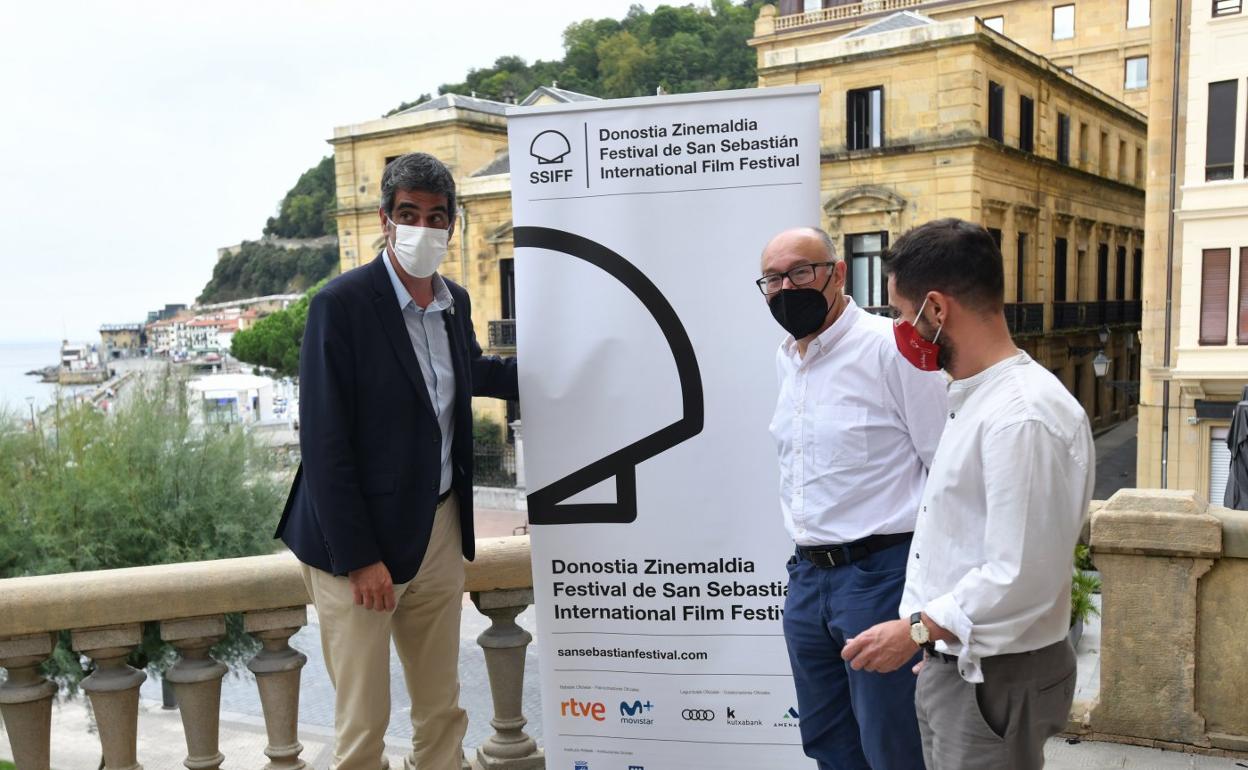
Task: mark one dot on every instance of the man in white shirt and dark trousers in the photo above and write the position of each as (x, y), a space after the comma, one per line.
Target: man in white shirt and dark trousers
(856, 428)
(988, 581)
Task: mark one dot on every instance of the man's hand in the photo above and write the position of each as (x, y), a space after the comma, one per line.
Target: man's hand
(881, 648)
(371, 586)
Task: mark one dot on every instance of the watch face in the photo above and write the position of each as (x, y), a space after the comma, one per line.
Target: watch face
(918, 632)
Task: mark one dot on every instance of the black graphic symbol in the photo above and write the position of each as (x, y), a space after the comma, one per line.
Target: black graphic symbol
(546, 505)
(549, 147)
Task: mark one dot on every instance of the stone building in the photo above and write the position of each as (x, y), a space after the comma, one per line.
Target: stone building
(925, 119)
(1196, 301)
(123, 340)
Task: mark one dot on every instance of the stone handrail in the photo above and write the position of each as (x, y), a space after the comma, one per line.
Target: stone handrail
(104, 612)
(839, 12)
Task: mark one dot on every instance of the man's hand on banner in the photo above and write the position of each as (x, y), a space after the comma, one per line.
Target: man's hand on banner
(881, 648)
(371, 587)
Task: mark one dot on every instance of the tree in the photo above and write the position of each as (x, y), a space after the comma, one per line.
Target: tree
(307, 211)
(259, 268)
(274, 341)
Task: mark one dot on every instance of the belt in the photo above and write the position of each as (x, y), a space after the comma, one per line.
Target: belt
(828, 556)
(945, 657)
(442, 497)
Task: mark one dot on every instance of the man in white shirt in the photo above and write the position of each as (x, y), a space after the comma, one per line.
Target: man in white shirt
(988, 582)
(856, 428)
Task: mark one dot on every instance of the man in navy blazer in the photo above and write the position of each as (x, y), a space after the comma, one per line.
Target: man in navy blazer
(381, 508)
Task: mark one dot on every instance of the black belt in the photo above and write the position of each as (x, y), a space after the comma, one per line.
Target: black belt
(442, 497)
(828, 556)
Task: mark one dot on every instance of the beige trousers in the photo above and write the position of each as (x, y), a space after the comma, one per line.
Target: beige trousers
(425, 628)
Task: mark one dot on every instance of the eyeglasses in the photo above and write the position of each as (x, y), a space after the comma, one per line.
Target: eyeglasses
(798, 276)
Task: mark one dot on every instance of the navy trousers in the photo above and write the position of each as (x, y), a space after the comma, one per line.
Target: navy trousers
(850, 720)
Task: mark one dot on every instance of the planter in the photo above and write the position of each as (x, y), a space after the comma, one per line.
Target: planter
(1076, 633)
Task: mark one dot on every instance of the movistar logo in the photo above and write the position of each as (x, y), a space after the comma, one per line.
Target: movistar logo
(634, 708)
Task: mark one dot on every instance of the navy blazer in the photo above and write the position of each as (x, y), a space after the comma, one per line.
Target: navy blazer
(367, 488)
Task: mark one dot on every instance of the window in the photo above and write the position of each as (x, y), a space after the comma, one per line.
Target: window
(866, 280)
(1063, 138)
(1220, 136)
(1122, 160)
(1219, 465)
(865, 118)
(1215, 280)
(1137, 13)
(1020, 269)
(1083, 143)
(390, 158)
(1063, 22)
(1137, 73)
(1241, 335)
(1104, 158)
(1059, 270)
(1139, 166)
(1137, 274)
(995, 23)
(996, 111)
(1069, 70)
(1026, 124)
(507, 276)
(1102, 272)
(1120, 273)
(1227, 7)
(811, 5)
(996, 236)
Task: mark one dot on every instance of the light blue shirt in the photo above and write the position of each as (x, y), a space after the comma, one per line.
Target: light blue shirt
(431, 342)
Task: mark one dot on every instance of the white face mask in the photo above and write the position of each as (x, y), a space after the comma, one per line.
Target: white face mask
(420, 250)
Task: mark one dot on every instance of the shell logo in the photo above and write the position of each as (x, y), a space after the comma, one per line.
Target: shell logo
(550, 147)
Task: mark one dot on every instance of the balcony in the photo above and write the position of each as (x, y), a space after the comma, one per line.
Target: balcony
(503, 334)
(843, 11)
(1025, 318)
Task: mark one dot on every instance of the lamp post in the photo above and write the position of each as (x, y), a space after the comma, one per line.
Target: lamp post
(1100, 364)
(30, 401)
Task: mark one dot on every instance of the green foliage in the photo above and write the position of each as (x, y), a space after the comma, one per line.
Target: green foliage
(307, 211)
(274, 341)
(1082, 587)
(679, 48)
(1083, 557)
(260, 269)
(142, 486)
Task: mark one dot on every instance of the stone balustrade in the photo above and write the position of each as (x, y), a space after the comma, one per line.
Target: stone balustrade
(1174, 626)
(104, 612)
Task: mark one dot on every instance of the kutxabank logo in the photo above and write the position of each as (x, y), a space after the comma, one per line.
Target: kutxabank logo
(546, 505)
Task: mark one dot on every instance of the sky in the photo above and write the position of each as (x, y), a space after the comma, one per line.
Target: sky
(139, 137)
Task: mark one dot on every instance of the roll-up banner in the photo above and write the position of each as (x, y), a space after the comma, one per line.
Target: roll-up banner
(647, 381)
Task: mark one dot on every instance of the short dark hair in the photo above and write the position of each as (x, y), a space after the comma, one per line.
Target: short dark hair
(417, 172)
(952, 256)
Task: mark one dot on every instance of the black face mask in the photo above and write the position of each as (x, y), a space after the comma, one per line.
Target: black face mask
(800, 311)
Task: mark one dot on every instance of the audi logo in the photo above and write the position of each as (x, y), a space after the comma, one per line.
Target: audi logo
(698, 715)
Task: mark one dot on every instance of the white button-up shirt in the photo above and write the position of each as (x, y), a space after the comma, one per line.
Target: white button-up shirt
(426, 328)
(992, 557)
(856, 426)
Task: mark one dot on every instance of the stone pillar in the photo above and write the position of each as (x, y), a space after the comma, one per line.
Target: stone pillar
(196, 679)
(504, 643)
(1152, 546)
(26, 699)
(114, 690)
(277, 668)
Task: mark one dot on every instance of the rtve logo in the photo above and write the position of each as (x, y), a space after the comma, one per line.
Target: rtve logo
(578, 708)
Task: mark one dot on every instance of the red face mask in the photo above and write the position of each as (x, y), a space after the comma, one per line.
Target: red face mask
(918, 351)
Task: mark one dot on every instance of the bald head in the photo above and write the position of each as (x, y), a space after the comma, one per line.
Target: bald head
(812, 242)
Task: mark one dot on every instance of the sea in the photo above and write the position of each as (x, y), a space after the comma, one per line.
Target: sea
(17, 358)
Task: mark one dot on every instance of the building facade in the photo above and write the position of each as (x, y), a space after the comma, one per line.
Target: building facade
(123, 340)
(1196, 345)
(926, 119)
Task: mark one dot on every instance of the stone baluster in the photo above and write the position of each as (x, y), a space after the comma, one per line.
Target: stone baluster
(114, 690)
(504, 643)
(277, 668)
(196, 679)
(26, 699)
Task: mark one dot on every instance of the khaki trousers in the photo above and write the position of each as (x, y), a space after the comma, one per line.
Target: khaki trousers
(425, 628)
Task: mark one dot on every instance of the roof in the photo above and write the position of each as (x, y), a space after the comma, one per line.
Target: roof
(561, 95)
(500, 165)
(899, 20)
(455, 101)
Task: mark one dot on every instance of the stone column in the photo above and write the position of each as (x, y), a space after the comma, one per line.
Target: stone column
(1152, 546)
(26, 699)
(196, 679)
(277, 668)
(114, 690)
(504, 643)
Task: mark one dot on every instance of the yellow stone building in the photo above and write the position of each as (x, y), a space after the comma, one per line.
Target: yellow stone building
(1196, 304)
(925, 119)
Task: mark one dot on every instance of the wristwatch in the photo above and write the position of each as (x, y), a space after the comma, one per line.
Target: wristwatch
(919, 633)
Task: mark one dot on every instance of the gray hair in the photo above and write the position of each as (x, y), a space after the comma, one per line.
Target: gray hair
(828, 246)
(417, 172)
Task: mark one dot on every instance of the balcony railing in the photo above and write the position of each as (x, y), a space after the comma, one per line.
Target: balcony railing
(1086, 315)
(839, 12)
(1025, 318)
(503, 334)
(105, 611)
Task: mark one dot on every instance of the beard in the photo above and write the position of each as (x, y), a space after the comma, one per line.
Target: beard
(947, 353)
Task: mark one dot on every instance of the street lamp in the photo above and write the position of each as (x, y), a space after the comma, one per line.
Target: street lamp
(1103, 334)
(30, 401)
(1100, 364)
